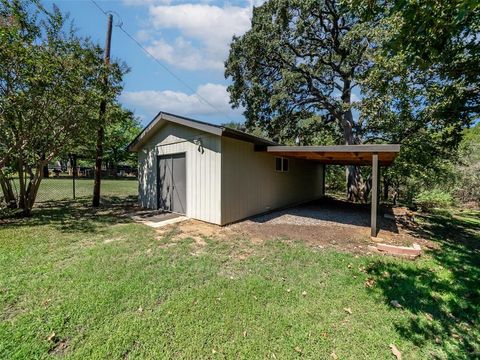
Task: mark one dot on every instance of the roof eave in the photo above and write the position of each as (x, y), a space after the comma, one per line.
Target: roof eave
(149, 130)
(338, 148)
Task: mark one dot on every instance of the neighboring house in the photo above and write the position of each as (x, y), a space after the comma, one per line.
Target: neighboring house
(217, 174)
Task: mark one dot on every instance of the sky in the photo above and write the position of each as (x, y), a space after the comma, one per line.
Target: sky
(191, 39)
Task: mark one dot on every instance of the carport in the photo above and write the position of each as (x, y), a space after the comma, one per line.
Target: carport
(376, 156)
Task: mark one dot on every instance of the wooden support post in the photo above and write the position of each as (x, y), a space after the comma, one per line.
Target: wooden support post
(374, 202)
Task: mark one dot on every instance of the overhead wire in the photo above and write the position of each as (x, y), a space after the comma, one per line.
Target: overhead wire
(168, 70)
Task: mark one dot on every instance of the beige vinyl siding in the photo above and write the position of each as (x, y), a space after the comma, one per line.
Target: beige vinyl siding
(250, 184)
(202, 170)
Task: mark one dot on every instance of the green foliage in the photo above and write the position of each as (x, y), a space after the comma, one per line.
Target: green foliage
(294, 72)
(50, 88)
(467, 188)
(299, 62)
(435, 198)
(120, 131)
(121, 127)
(414, 63)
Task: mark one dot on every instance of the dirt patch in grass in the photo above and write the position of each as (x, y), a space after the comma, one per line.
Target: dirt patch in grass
(194, 229)
(59, 348)
(316, 236)
(187, 230)
(200, 232)
(10, 312)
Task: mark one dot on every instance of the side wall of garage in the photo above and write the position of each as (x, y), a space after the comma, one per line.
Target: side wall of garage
(203, 169)
(251, 184)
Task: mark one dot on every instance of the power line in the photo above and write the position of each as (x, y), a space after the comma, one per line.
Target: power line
(179, 79)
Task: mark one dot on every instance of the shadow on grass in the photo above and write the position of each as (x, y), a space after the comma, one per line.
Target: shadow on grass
(442, 295)
(76, 215)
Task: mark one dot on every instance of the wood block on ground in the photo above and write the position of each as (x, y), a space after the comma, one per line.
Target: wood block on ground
(416, 250)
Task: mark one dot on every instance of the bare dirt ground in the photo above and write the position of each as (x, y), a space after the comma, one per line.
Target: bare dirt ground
(326, 224)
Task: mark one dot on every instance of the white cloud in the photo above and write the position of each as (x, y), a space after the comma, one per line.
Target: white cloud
(205, 33)
(183, 54)
(180, 103)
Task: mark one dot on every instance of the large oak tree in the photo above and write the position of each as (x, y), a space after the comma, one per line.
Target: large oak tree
(413, 63)
(303, 59)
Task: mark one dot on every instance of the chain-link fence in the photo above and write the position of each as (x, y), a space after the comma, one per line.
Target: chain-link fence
(65, 181)
(67, 188)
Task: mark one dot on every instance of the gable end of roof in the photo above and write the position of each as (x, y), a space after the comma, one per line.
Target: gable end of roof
(162, 117)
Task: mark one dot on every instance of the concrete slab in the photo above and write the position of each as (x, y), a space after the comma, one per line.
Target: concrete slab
(157, 219)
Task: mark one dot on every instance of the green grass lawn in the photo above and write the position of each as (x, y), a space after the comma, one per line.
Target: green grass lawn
(86, 285)
(62, 188)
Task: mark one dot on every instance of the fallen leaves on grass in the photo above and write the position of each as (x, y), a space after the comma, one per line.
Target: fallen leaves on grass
(396, 352)
(369, 282)
(304, 293)
(333, 355)
(297, 349)
(51, 337)
(348, 310)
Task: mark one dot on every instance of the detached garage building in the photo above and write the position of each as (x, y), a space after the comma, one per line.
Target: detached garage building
(217, 174)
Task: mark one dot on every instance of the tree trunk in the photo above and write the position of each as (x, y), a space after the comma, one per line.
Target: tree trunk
(33, 188)
(354, 183)
(386, 187)
(29, 189)
(353, 175)
(45, 168)
(22, 185)
(7, 190)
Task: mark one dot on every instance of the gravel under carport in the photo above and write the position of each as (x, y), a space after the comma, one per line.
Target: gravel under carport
(327, 223)
(318, 213)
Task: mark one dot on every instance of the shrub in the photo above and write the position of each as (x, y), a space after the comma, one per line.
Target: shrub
(435, 198)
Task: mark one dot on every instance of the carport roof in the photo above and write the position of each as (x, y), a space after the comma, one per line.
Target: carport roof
(340, 154)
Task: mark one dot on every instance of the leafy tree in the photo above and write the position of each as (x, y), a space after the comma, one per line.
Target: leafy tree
(415, 65)
(300, 61)
(468, 167)
(121, 129)
(50, 89)
(423, 90)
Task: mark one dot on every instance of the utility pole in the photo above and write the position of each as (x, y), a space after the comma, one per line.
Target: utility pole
(101, 121)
